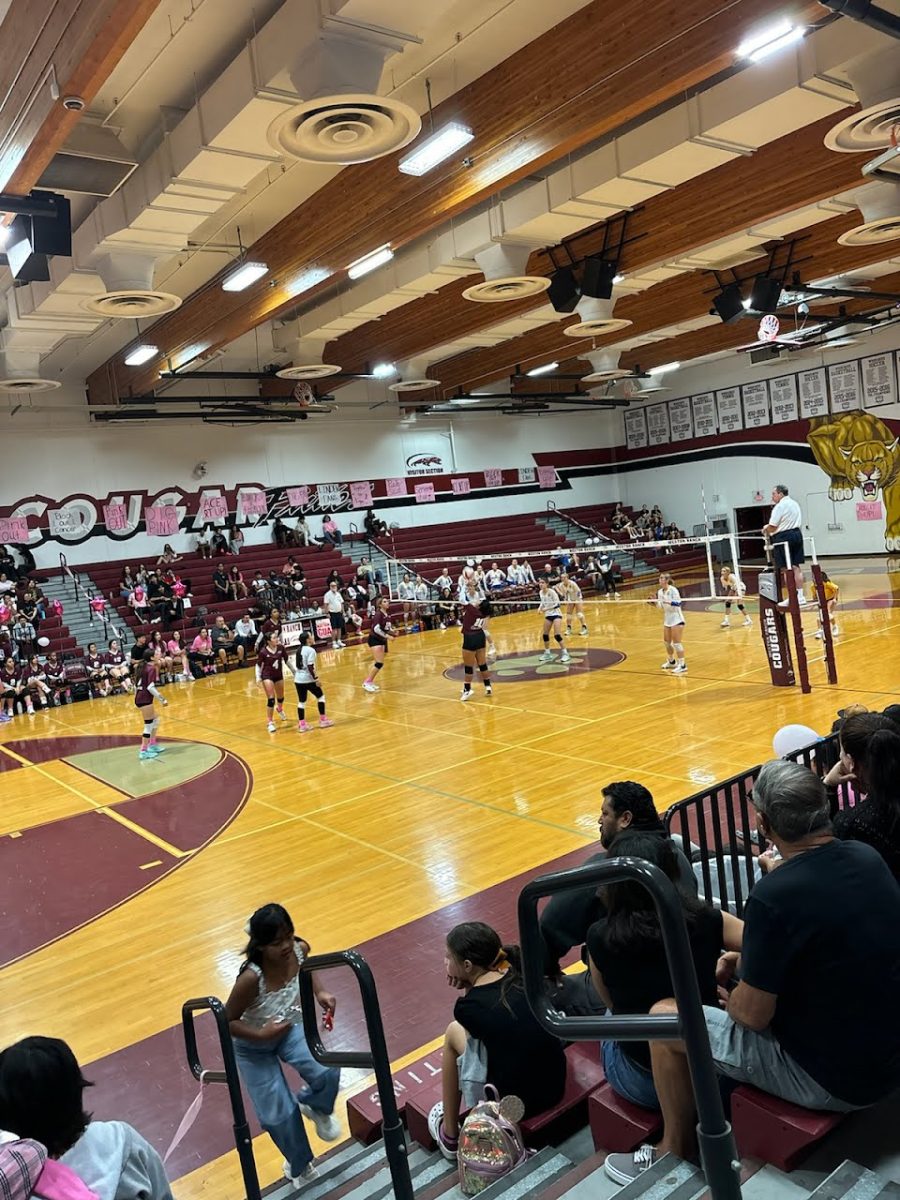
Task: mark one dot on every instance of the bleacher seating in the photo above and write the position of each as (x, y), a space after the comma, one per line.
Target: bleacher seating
(491, 537)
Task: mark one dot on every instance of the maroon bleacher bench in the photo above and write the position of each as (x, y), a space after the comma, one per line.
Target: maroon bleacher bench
(617, 1125)
(364, 1109)
(774, 1130)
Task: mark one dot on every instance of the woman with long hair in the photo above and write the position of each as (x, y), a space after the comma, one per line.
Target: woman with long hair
(178, 656)
(550, 608)
(668, 598)
(494, 1037)
(117, 666)
(306, 681)
(161, 656)
(236, 586)
(870, 758)
(145, 692)
(266, 1022)
(202, 652)
(380, 630)
(628, 963)
(270, 660)
(474, 641)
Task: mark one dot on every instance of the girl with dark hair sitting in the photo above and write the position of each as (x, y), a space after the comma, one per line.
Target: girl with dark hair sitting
(494, 1036)
(628, 961)
(266, 1022)
(42, 1098)
(870, 757)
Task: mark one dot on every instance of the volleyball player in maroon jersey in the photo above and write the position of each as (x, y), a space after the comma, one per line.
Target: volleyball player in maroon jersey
(272, 624)
(144, 694)
(474, 640)
(380, 629)
(270, 660)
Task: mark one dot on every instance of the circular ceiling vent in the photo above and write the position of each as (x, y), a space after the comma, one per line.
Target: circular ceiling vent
(132, 304)
(883, 229)
(866, 132)
(609, 376)
(309, 371)
(513, 287)
(345, 129)
(599, 327)
(413, 385)
(28, 385)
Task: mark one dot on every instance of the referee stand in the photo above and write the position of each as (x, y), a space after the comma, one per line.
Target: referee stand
(777, 619)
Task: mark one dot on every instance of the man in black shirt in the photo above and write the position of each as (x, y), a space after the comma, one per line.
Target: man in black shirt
(813, 1019)
(220, 582)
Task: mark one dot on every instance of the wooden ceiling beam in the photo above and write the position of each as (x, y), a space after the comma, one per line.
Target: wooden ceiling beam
(77, 42)
(608, 64)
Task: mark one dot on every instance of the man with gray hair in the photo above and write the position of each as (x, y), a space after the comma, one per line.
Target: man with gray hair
(785, 527)
(814, 1016)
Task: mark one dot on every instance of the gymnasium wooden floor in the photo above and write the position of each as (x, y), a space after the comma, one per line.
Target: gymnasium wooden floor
(412, 803)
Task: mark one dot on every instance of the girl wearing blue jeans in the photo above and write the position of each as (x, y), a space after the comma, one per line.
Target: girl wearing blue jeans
(266, 1023)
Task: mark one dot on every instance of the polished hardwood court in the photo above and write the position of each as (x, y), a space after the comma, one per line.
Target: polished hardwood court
(412, 802)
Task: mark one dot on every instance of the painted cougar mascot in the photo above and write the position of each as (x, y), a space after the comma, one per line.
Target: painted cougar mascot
(859, 453)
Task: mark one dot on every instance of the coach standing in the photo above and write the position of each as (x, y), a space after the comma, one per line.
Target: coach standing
(785, 527)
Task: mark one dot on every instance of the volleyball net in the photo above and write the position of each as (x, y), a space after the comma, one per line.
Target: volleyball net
(695, 564)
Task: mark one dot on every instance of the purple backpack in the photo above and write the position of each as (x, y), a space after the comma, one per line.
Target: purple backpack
(490, 1142)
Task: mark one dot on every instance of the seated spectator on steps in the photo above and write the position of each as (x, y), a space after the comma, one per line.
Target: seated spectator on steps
(870, 758)
(42, 1098)
(813, 1018)
(220, 583)
(245, 634)
(237, 589)
(373, 526)
(236, 540)
(202, 653)
(225, 642)
(567, 917)
(494, 1037)
(204, 543)
(302, 535)
(330, 532)
(219, 542)
(168, 557)
(628, 963)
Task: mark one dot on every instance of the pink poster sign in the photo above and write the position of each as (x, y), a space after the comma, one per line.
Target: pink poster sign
(161, 519)
(298, 496)
(424, 493)
(213, 508)
(869, 510)
(395, 487)
(14, 529)
(254, 504)
(546, 477)
(115, 517)
(460, 486)
(493, 477)
(360, 495)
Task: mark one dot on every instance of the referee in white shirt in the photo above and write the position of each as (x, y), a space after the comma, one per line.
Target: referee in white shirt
(785, 527)
(333, 603)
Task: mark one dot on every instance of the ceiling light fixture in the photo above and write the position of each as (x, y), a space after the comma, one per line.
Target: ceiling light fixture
(663, 368)
(243, 275)
(618, 278)
(544, 370)
(140, 354)
(370, 262)
(770, 40)
(383, 370)
(431, 152)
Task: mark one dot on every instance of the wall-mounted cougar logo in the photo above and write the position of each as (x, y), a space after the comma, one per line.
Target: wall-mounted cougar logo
(859, 453)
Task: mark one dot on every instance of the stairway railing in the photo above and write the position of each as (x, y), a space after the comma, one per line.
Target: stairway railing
(718, 1152)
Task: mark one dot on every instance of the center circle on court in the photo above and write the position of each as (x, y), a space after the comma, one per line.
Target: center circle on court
(528, 667)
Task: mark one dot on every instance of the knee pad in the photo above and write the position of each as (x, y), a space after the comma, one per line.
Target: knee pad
(154, 724)
(728, 606)
(678, 647)
(558, 637)
(483, 668)
(378, 666)
(546, 639)
(270, 703)
(148, 729)
(469, 672)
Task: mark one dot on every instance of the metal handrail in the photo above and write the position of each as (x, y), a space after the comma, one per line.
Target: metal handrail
(375, 1058)
(718, 1153)
(242, 1138)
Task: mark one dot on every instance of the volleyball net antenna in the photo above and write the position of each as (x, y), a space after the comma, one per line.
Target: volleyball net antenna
(694, 562)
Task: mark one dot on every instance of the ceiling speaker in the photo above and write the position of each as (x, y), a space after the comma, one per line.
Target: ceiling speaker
(597, 278)
(766, 294)
(729, 304)
(563, 293)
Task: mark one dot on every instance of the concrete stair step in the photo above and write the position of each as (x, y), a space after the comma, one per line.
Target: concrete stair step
(853, 1182)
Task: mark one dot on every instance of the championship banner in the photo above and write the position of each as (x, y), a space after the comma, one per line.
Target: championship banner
(773, 625)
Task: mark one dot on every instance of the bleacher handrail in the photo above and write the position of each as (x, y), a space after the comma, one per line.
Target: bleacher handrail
(375, 1058)
(81, 593)
(718, 1152)
(588, 529)
(242, 1139)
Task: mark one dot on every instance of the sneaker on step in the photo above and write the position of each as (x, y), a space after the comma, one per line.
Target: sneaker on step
(328, 1127)
(447, 1146)
(308, 1173)
(626, 1168)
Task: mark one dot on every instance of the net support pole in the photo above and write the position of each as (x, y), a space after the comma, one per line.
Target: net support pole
(735, 562)
(709, 566)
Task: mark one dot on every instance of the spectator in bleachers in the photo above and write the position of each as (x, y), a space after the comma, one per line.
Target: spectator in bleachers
(204, 542)
(245, 634)
(168, 557)
(136, 653)
(330, 531)
(219, 542)
(162, 660)
(139, 603)
(236, 540)
(7, 584)
(334, 576)
(813, 1018)
(373, 525)
(23, 635)
(370, 576)
(225, 642)
(628, 963)
(237, 589)
(302, 535)
(259, 585)
(220, 582)
(42, 1098)
(126, 583)
(494, 1037)
(202, 653)
(56, 678)
(870, 759)
(280, 533)
(178, 656)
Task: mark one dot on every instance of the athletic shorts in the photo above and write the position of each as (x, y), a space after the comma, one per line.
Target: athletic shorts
(554, 616)
(377, 642)
(794, 539)
(475, 640)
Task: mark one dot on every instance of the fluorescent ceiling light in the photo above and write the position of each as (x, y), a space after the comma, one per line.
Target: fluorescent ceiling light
(383, 370)
(473, 399)
(370, 262)
(661, 370)
(242, 276)
(307, 279)
(434, 149)
(747, 303)
(769, 40)
(141, 354)
(544, 370)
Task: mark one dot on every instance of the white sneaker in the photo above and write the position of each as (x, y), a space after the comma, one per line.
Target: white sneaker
(282, 714)
(834, 631)
(547, 656)
(681, 669)
(564, 657)
(308, 1173)
(801, 599)
(626, 1168)
(328, 1127)
(726, 624)
(668, 666)
(370, 687)
(466, 694)
(747, 621)
(271, 727)
(819, 634)
(584, 631)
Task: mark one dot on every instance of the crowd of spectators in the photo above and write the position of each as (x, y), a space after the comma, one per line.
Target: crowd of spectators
(648, 525)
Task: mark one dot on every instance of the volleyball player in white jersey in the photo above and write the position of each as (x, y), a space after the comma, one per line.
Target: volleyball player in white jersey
(549, 608)
(406, 591)
(733, 587)
(668, 598)
(306, 681)
(570, 593)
